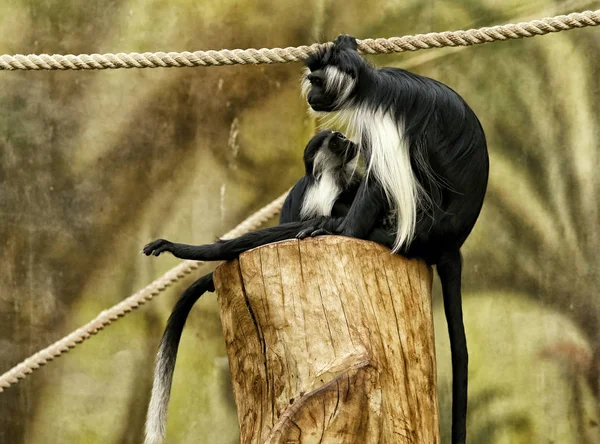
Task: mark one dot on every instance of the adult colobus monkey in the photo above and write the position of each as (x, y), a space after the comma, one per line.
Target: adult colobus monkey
(425, 150)
(328, 188)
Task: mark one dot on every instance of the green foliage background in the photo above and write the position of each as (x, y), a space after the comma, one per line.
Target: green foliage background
(95, 164)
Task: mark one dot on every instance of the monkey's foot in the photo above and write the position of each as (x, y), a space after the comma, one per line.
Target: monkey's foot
(156, 247)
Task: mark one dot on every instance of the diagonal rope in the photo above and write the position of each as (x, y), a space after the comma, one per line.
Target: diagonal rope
(284, 55)
(107, 317)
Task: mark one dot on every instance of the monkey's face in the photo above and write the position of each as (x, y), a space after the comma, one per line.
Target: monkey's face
(331, 75)
(329, 89)
(341, 146)
(318, 97)
(328, 150)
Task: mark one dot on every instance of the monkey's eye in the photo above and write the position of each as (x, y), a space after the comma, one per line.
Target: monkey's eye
(315, 80)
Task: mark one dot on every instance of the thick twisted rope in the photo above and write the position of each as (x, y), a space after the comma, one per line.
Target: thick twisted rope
(283, 55)
(146, 294)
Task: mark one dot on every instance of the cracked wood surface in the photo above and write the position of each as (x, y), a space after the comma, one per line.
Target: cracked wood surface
(330, 340)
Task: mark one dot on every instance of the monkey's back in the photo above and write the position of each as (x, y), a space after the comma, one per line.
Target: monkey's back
(449, 156)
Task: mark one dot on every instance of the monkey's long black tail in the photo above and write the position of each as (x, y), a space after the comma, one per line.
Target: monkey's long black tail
(167, 355)
(449, 269)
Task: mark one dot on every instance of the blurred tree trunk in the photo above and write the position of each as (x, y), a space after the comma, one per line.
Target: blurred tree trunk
(330, 340)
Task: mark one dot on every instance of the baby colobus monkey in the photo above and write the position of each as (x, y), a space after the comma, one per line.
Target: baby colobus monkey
(425, 151)
(327, 188)
(304, 200)
(330, 182)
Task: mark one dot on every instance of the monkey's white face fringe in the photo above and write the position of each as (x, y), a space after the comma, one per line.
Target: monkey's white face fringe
(338, 83)
(305, 83)
(389, 159)
(159, 402)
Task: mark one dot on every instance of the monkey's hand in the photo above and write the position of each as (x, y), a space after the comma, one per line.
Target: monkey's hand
(156, 247)
(345, 41)
(328, 226)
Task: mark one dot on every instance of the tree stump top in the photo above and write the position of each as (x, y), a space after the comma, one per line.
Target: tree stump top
(330, 339)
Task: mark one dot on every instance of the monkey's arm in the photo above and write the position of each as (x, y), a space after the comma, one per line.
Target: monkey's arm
(365, 212)
(230, 249)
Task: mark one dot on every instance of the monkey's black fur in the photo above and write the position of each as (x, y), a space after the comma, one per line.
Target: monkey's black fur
(337, 154)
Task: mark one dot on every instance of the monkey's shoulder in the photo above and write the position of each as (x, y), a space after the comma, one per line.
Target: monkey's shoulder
(418, 85)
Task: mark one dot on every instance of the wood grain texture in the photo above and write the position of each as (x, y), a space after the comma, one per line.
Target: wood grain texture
(330, 340)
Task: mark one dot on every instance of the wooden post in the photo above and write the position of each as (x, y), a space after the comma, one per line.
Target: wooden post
(330, 340)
